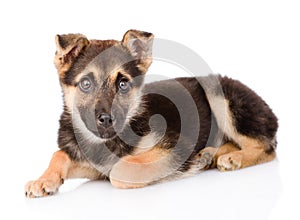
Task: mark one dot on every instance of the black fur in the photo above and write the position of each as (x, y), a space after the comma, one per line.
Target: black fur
(187, 146)
(251, 115)
(170, 129)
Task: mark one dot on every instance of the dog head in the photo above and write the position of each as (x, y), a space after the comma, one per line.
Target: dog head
(102, 79)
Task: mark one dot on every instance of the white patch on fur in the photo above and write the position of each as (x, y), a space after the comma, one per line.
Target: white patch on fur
(79, 127)
(78, 124)
(220, 108)
(223, 115)
(69, 96)
(135, 105)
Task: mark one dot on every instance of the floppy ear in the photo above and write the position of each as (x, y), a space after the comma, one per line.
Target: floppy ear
(139, 44)
(68, 47)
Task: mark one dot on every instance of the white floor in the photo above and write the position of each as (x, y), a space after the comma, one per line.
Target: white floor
(252, 193)
(256, 42)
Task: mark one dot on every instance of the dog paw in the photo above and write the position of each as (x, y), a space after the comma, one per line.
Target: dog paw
(228, 162)
(42, 187)
(206, 157)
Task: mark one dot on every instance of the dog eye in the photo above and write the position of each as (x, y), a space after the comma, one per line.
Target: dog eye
(124, 85)
(85, 84)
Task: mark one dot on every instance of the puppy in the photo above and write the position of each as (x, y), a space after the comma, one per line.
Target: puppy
(115, 127)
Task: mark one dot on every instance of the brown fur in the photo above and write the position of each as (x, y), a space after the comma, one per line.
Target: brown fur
(141, 170)
(216, 152)
(145, 56)
(230, 157)
(68, 47)
(52, 178)
(139, 149)
(61, 167)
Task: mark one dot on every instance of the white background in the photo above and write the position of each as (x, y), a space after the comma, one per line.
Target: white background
(254, 41)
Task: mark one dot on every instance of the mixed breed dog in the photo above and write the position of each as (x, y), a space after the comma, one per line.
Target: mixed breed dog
(116, 127)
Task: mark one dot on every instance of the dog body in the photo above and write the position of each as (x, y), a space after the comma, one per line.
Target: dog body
(113, 126)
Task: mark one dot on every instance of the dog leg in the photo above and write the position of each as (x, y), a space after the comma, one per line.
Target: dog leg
(252, 152)
(215, 153)
(142, 169)
(61, 167)
(52, 178)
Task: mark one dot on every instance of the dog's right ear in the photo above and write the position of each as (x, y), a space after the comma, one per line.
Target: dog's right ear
(139, 43)
(68, 47)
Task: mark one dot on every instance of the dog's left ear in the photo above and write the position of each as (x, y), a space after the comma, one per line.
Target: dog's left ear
(68, 47)
(139, 43)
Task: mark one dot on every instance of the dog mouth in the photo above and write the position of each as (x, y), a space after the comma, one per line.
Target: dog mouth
(105, 134)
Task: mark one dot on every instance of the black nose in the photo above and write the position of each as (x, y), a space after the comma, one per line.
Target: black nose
(105, 120)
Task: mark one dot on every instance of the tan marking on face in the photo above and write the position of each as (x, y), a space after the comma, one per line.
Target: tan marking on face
(113, 77)
(114, 74)
(71, 99)
(69, 96)
(89, 69)
(141, 170)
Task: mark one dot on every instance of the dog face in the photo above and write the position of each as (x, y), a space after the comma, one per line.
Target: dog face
(102, 80)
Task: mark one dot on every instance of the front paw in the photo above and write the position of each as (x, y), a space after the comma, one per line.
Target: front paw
(42, 187)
